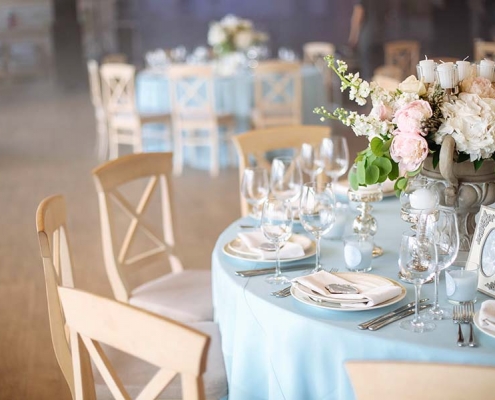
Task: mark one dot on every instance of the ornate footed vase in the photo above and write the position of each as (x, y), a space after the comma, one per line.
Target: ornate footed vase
(463, 189)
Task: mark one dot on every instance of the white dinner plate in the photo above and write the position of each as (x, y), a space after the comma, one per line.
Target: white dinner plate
(303, 297)
(477, 322)
(237, 249)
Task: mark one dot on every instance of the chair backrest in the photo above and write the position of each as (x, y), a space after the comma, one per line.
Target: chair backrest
(95, 83)
(118, 88)
(484, 50)
(114, 58)
(253, 145)
(166, 344)
(404, 54)
(315, 51)
(277, 90)
(193, 92)
(57, 266)
(109, 178)
(391, 380)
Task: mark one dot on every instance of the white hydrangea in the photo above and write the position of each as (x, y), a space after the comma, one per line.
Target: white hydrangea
(216, 35)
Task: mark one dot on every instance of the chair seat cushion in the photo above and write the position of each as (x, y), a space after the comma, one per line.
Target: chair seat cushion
(135, 373)
(184, 296)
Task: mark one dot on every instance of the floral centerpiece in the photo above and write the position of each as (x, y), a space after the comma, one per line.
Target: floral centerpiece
(232, 34)
(407, 125)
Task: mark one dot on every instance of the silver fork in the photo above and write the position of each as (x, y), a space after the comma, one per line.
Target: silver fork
(468, 315)
(285, 292)
(457, 319)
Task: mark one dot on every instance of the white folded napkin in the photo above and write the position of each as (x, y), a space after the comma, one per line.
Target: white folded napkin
(291, 249)
(371, 288)
(487, 315)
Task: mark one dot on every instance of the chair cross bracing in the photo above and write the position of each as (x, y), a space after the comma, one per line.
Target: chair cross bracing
(100, 115)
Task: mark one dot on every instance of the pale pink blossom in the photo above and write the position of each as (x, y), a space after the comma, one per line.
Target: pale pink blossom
(382, 111)
(409, 117)
(409, 149)
(478, 85)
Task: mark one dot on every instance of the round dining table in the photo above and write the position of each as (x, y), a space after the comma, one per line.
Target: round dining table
(280, 348)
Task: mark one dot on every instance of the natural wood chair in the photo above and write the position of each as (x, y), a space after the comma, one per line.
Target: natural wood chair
(252, 146)
(404, 54)
(125, 123)
(57, 264)
(484, 50)
(183, 295)
(277, 94)
(100, 115)
(114, 58)
(391, 380)
(197, 122)
(314, 53)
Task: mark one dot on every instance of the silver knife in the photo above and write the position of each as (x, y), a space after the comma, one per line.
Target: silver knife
(266, 271)
(408, 306)
(401, 315)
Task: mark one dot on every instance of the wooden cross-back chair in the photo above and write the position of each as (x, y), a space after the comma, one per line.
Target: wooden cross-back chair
(277, 94)
(404, 54)
(484, 50)
(125, 123)
(168, 345)
(100, 115)
(180, 294)
(391, 380)
(252, 146)
(194, 112)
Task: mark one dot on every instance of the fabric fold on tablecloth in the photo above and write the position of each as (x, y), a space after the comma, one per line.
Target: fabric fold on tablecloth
(487, 315)
(373, 289)
(292, 249)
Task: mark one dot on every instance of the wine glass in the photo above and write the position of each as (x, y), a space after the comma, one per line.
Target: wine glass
(310, 160)
(255, 188)
(442, 228)
(276, 225)
(334, 152)
(418, 261)
(286, 178)
(317, 213)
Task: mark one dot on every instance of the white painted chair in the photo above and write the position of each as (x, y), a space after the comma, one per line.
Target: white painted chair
(196, 120)
(277, 94)
(125, 123)
(403, 54)
(100, 115)
(183, 295)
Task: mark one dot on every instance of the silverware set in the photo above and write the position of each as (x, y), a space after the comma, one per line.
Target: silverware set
(463, 314)
(285, 292)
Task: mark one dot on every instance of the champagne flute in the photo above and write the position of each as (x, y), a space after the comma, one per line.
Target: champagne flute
(418, 262)
(286, 178)
(317, 213)
(255, 188)
(276, 225)
(310, 160)
(334, 152)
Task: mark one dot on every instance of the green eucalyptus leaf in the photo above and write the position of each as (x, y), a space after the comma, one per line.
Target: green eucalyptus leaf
(361, 172)
(372, 174)
(436, 159)
(394, 173)
(353, 181)
(414, 173)
(478, 164)
(400, 184)
(384, 165)
(376, 146)
(386, 145)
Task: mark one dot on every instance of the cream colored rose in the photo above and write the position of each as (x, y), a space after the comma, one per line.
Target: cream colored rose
(412, 85)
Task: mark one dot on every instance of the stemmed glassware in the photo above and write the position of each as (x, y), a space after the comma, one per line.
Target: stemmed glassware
(310, 160)
(286, 178)
(255, 188)
(317, 213)
(334, 152)
(418, 261)
(276, 225)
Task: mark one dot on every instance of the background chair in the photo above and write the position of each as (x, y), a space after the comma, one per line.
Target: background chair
(100, 115)
(252, 146)
(196, 120)
(181, 295)
(391, 380)
(388, 77)
(125, 123)
(484, 50)
(404, 54)
(277, 94)
(57, 264)
(314, 53)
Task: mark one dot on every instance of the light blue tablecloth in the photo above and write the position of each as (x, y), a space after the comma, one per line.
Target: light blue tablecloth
(283, 349)
(234, 94)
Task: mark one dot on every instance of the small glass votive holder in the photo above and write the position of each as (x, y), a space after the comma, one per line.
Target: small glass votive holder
(461, 284)
(358, 252)
(338, 228)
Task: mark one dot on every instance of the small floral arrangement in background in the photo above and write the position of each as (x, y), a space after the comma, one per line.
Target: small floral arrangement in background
(233, 34)
(408, 124)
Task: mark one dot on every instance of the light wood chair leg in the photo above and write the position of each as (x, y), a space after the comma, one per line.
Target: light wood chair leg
(113, 143)
(102, 139)
(178, 149)
(214, 152)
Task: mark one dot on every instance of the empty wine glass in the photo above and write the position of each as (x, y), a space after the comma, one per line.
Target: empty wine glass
(255, 188)
(310, 160)
(276, 225)
(317, 213)
(335, 155)
(418, 261)
(286, 178)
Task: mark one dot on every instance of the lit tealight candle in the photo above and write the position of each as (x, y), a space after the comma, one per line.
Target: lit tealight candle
(447, 74)
(486, 69)
(422, 199)
(464, 69)
(427, 71)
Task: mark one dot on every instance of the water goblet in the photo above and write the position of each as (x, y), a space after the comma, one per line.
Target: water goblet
(418, 261)
(334, 152)
(286, 178)
(276, 225)
(310, 160)
(317, 213)
(255, 188)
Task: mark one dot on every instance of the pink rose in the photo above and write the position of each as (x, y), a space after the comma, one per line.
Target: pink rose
(382, 111)
(478, 85)
(409, 150)
(409, 117)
